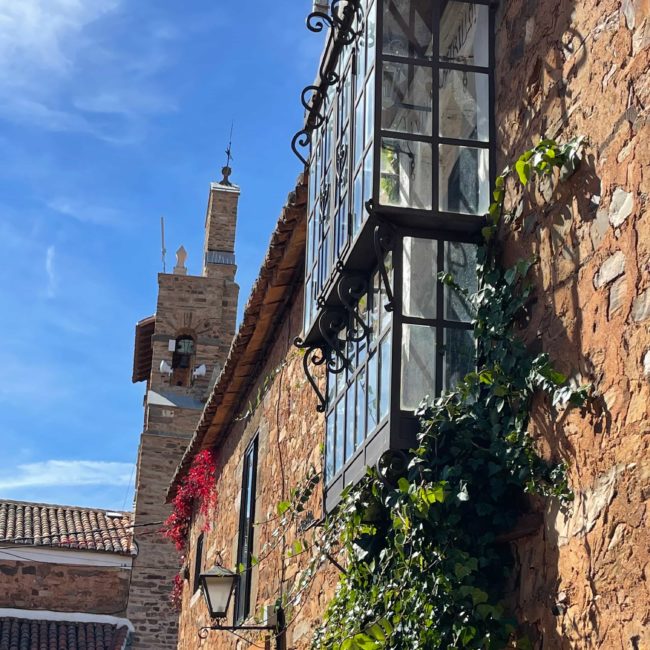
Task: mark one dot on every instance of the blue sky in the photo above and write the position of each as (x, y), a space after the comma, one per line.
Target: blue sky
(113, 113)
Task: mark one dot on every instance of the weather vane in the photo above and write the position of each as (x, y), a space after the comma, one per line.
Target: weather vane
(227, 170)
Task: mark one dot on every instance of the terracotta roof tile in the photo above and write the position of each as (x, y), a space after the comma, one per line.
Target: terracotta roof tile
(39, 524)
(26, 634)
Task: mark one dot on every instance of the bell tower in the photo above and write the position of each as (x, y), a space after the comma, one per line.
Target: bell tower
(179, 353)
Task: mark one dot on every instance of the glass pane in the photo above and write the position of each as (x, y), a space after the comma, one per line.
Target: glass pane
(384, 378)
(370, 109)
(373, 382)
(371, 30)
(358, 133)
(367, 180)
(405, 174)
(408, 28)
(329, 448)
(349, 432)
(340, 434)
(418, 364)
(464, 28)
(407, 98)
(460, 356)
(361, 407)
(460, 261)
(464, 183)
(360, 69)
(420, 272)
(358, 202)
(464, 98)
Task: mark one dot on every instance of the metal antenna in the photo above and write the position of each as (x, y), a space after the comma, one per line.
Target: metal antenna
(164, 250)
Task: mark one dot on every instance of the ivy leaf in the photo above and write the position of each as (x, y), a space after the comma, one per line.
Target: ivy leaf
(283, 506)
(403, 485)
(522, 167)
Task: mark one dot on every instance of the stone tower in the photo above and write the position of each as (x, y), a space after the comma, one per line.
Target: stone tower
(179, 352)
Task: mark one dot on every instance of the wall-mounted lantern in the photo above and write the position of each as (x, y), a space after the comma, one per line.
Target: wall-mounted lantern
(218, 586)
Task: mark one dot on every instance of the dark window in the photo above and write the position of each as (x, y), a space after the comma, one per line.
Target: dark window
(198, 563)
(246, 521)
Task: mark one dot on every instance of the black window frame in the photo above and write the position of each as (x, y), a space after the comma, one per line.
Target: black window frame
(246, 531)
(198, 564)
(361, 252)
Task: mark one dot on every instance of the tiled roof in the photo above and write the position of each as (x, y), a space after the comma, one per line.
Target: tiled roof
(25, 634)
(269, 296)
(38, 524)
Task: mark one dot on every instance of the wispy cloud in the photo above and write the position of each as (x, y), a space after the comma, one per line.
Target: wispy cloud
(49, 270)
(67, 68)
(69, 473)
(85, 212)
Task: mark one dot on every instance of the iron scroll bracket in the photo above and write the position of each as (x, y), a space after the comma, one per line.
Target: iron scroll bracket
(345, 22)
(350, 289)
(317, 356)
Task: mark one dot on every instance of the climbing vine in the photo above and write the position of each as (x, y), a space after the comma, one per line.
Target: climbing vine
(424, 563)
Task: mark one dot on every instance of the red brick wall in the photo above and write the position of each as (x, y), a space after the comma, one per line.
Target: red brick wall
(64, 587)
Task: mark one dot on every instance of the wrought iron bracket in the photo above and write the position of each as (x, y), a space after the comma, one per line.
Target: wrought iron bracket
(317, 356)
(330, 323)
(345, 22)
(350, 288)
(384, 241)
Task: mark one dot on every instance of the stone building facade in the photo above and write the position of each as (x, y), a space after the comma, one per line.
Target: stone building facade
(178, 353)
(64, 577)
(561, 68)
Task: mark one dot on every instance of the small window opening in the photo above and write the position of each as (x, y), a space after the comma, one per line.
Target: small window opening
(182, 361)
(198, 564)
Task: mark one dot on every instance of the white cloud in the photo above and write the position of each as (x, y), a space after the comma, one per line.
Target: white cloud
(52, 473)
(67, 68)
(41, 33)
(49, 270)
(85, 212)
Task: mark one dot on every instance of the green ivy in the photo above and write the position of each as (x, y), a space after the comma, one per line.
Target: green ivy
(424, 567)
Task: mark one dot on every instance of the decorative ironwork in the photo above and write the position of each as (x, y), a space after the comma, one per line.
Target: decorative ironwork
(317, 356)
(331, 322)
(384, 241)
(345, 24)
(302, 139)
(350, 289)
(308, 102)
(324, 201)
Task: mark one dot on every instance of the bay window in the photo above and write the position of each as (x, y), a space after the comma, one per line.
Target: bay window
(401, 161)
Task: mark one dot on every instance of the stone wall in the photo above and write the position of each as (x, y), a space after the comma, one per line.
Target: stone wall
(150, 608)
(563, 68)
(64, 587)
(290, 434)
(582, 68)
